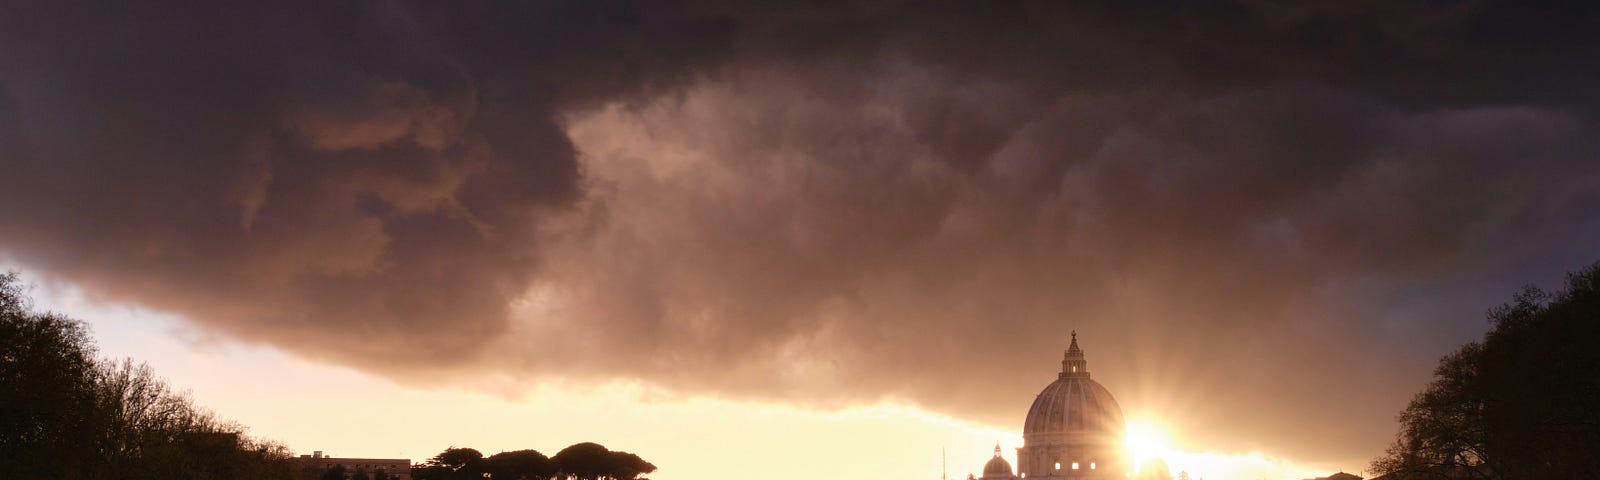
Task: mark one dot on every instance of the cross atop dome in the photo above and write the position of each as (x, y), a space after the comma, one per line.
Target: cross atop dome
(1073, 363)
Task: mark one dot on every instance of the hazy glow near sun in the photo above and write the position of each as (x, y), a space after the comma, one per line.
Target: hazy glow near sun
(1146, 440)
(1149, 439)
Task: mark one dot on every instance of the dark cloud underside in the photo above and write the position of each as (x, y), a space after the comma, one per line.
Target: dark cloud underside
(1246, 208)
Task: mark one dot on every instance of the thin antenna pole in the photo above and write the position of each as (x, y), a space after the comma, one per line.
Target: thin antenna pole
(944, 466)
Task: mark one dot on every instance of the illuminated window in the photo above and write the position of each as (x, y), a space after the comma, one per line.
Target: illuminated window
(1074, 465)
(1058, 465)
(1091, 465)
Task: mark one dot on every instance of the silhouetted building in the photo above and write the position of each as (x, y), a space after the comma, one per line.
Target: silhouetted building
(1338, 476)
(313, 466)
(1074, 430)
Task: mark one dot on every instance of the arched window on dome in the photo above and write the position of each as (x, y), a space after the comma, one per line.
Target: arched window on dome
(1074, 465)
(1091, 465)
(1058, 465)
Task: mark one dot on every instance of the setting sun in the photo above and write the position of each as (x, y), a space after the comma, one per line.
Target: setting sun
(1145, 440)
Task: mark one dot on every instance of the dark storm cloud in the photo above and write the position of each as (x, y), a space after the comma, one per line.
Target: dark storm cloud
(845, 252)
(355, 179)
(823, 204)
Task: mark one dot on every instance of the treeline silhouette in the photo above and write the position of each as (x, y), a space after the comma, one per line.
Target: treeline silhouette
(65, 414)
(583, 461)
(1523, 403)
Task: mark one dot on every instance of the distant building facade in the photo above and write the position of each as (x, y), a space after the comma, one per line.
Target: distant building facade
(313, 466)
(1073, 431)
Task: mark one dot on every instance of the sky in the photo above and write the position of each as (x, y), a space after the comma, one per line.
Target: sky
(855, 231)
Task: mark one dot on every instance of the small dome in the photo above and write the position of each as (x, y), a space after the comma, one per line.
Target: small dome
(1153, 469)
(997, 466)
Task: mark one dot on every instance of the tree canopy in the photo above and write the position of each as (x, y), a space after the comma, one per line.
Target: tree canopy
(1523, 403)
(452, 464)
(47, 387)
(591, 461)
(65, 414)
(583, 461)
(520, 464)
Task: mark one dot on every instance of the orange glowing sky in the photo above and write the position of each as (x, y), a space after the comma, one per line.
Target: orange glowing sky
(312, 406)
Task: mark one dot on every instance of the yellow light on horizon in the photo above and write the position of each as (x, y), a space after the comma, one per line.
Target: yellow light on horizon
(1148, 439)
(1145, 440)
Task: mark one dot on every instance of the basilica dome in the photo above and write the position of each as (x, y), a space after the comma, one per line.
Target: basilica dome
(1074, 429)
(1074, 403)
